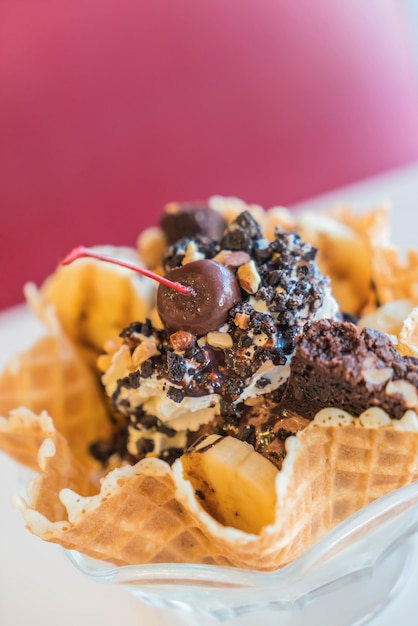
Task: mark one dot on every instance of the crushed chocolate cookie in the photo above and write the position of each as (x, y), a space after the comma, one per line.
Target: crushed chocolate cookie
(175, 394)
(241, 234)
(176, 366)
(204, 247)
(137, 328)
(146, 369)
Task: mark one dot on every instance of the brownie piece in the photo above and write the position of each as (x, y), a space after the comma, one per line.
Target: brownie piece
(181, 220)
(337, 365)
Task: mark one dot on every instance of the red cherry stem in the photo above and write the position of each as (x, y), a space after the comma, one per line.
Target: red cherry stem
(81, 251)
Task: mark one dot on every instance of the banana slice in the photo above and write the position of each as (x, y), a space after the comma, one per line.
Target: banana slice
(235, 484)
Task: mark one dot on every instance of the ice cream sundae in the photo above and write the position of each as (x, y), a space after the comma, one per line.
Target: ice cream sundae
(229, 408)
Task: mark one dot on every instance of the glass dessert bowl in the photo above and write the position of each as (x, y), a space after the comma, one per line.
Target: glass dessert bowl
(267, 369)
(348, 576)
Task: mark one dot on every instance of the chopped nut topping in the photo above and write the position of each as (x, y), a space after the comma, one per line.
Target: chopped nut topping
(241, 320)
(232, 258)
(220, 257)
(192, 254)
(248, 277)
(181, 340)
(217, 339)
(236, 259)
(144, 351)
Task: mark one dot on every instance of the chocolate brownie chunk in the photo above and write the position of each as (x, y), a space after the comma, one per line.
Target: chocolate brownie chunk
(189, 219)
(337, 365)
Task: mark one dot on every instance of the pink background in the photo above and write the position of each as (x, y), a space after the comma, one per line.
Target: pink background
(111, 108)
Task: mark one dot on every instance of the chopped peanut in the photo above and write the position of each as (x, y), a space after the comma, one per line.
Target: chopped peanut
(241, 320)
(144, 351)
(248, 277)
(217, 339)
(181, 340)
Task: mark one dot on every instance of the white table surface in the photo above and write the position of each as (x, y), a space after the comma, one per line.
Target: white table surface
(38, 586)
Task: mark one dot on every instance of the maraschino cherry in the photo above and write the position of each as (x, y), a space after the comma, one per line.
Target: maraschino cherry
(195, 297)
(215, 290)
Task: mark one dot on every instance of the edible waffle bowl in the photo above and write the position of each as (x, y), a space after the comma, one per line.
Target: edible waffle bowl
(346, 578)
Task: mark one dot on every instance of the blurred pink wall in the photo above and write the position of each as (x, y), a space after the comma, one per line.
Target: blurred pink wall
(109, 109)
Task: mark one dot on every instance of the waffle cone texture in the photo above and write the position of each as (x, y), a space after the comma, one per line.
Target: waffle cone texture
(51, 377)
(148, 513)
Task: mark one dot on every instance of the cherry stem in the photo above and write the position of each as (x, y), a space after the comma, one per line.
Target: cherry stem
(80, 252)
